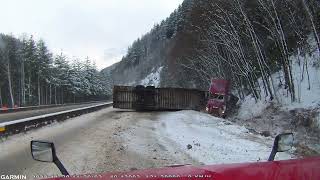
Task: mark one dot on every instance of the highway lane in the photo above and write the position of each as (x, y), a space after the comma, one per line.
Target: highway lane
(5, 117)
(91, 143)
(15, 156)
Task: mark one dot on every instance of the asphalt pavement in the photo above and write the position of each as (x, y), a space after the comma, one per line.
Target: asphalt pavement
(5, 117)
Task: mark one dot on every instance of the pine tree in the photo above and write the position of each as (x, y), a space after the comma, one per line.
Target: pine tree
(44, 61)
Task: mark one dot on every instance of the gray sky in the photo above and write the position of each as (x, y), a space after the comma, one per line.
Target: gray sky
(100, 29)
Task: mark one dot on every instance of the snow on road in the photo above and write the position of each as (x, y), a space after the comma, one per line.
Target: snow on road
(115, 140)
(213, 140)
(85, 144)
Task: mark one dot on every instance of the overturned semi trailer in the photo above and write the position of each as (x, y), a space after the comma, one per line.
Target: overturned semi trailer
(150, 98)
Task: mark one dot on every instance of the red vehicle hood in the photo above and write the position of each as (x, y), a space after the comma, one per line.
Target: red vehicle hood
(299, 169)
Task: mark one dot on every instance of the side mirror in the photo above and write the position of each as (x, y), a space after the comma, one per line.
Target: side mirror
(282, 142)
(285, 142)
(42, 151)
(45, 151)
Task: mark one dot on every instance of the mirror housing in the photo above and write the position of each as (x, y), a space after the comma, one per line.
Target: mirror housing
(282, 142)
(45, 151)
(285, 142)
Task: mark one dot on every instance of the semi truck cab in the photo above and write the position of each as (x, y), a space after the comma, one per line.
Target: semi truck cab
(218, 97)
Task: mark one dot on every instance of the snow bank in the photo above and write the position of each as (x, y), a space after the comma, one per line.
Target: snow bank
(307, 83)
(307, 87)
(214, 140)
(250, 108)
(153, 79)
(306, 97)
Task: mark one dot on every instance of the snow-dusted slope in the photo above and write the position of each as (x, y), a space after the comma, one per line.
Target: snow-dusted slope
(301, 117)
(306, 77)
(214, 140)
(153, 79)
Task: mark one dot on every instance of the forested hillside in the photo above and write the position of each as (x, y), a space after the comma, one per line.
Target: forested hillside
(239, 40)
(32, 75)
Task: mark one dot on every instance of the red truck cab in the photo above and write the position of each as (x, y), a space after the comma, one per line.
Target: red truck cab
(218, 97)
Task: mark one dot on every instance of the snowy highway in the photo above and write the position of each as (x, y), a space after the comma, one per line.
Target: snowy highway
(119, 140)
(5, 117)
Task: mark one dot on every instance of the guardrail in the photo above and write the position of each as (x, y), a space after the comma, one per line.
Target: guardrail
(23, 125)
(27, 108)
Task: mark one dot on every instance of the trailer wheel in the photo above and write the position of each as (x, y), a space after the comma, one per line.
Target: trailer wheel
(139, 87)
(150, 87)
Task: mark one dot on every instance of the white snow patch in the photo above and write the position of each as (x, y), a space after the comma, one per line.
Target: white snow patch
(214, 140)
(153, 79)
(305, 97)
(250, 108)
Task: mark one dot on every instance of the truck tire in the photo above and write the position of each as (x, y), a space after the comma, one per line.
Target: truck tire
(150, 87)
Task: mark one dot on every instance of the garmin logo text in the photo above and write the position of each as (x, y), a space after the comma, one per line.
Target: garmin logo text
(13, 176)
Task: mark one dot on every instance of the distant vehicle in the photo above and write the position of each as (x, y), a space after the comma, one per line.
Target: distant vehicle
(297, 169)
(220, 100)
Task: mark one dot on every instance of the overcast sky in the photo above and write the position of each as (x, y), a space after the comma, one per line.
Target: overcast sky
(100, 29)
